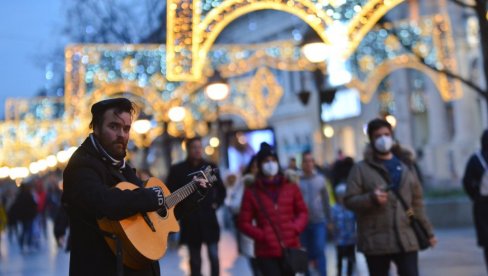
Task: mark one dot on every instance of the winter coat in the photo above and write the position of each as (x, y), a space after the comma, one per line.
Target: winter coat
(88, 195)
(471, 183)
(200, 225)
(289, 215)
(384, 229)
(24, 207)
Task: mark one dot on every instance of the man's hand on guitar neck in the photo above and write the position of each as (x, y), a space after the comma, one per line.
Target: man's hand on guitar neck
(202, 185)
(202, 182)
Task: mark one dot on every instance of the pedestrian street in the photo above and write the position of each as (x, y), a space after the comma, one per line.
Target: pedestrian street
(455, 255)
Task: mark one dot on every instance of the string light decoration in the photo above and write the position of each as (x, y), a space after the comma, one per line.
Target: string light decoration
(38, 128)
(381, 53)
(193, 25)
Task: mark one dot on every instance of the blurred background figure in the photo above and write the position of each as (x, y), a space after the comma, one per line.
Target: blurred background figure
(292, 164)
(233, 194)
(271, 199)
(200, 226)
(344, 225)
(24, 209)
(475, 183)
(245, 244)
(340, 169)
(39, 227)
(3, 221)
(314, 191)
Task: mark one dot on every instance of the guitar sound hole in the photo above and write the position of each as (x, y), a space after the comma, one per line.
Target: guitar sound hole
(162, 212)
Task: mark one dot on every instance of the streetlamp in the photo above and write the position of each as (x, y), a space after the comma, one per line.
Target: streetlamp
(313, 48)
(142, 126)
(217, 90)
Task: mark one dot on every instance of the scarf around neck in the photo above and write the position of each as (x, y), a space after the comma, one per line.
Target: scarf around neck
(118, 164)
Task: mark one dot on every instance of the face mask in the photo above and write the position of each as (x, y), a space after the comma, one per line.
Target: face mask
(383, 144)
(270, 168)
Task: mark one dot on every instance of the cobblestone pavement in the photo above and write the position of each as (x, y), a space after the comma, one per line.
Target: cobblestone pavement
(455, 255)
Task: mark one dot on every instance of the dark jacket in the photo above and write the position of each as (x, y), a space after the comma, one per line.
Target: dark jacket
(289, 215)
(384, 229)
(201, 225)
(471, 183)
(89, 194)
(24, 207)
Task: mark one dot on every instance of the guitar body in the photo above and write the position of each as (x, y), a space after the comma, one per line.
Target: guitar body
(140, 244)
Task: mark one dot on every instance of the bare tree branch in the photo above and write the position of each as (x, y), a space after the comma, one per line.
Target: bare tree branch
(447, 72)
(463, 4)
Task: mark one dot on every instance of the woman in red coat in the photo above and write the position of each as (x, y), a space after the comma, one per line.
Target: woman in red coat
(285, 207)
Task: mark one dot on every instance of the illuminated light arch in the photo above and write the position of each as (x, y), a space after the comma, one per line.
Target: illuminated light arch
(370, 85)
(318, 22)
(366, 19)
(189, 38)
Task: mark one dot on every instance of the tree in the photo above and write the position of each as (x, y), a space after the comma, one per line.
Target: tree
(93, 21)
(479, 8)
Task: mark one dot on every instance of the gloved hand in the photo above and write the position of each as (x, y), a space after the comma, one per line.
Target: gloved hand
(158, 192)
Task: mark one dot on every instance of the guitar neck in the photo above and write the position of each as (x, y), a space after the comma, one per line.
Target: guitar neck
(180, 194)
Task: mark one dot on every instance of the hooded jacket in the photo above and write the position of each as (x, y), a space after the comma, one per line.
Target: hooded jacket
(385, 229)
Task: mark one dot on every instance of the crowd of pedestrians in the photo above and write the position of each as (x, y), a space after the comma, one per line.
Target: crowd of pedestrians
(269, 207)
(25, 210)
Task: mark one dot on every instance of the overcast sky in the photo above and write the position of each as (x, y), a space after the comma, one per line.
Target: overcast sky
(28, 29)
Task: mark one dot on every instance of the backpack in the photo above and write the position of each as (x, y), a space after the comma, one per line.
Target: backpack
(484, 177)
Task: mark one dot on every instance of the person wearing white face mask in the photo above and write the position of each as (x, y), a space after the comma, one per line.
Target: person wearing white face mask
(272, 202)
(374, 186)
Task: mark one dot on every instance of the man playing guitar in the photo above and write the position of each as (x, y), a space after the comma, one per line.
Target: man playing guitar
(90, 194)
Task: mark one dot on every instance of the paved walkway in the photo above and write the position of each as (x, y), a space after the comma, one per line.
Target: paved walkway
(455, 255)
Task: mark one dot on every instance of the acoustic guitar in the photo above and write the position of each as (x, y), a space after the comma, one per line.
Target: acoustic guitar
(144, 236)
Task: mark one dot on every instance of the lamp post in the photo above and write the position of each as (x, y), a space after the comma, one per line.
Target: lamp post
(313, 48)
(142, 126)
(217, 90)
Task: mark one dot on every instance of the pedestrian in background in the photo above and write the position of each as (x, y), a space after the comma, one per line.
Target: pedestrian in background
(201, 226)
(272, 203)
(384, 231)
(245, 243)
(25, 210)
(344, 225)
(314, 191)
(475, 183)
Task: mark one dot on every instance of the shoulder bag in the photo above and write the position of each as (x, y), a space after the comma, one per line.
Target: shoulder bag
(417, 226)
(294, 259)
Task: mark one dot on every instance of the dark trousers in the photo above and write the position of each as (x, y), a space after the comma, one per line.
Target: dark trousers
(347, 252)
(272, 267)
(196, 259)
(485, 249)
(406, 263)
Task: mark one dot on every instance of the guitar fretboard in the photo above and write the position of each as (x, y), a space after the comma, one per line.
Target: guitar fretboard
(180, 194)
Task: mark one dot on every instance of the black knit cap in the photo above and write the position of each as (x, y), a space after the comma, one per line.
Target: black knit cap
(99, 108)
(265, 150)
(102, 106)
